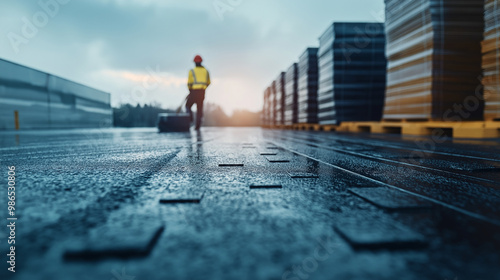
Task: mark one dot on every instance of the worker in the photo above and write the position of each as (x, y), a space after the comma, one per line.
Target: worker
(198, 81)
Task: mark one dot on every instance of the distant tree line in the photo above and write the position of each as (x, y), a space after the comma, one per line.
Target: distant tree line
(137, 116)
(128, 115)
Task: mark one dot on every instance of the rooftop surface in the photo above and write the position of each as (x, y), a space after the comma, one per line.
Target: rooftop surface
(250, 203)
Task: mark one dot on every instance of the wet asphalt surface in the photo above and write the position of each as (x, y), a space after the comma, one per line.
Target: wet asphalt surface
(250, 203)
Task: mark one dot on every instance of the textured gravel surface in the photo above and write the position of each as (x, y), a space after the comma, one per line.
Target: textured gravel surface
(96, 194)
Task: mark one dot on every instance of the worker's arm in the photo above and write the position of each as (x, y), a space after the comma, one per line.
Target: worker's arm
(190, 80)
(208, 78)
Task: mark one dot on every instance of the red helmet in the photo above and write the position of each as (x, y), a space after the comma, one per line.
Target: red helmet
(198, 59)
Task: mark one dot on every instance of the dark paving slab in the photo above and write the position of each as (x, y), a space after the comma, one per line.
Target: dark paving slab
(268, 154)
(391, 199)
(181, 199)
(277, 160)
(265, 186)
(379, 233)
(133, 240)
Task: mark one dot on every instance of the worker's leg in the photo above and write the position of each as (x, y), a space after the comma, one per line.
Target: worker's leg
(189, 103)
(199, 108)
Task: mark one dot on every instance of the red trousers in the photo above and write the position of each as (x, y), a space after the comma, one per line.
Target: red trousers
(196, 96)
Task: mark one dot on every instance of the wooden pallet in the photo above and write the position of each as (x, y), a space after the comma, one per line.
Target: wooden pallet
(281, 126)
(476, 129)
(303, 126)
(314, 127)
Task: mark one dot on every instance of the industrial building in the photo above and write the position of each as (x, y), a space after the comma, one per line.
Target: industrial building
(31, 99)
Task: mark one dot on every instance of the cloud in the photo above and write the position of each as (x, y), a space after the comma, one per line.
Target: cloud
(164, 79)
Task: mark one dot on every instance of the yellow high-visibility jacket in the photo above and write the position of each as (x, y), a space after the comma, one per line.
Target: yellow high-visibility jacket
(199, 78)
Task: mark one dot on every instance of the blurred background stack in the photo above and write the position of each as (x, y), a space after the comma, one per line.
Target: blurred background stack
(291, 95)
(352, 73)
(280, 99)
(308, 86)
(433, 49)
(421, 70)
(491, 59)
(266, 110)
(272, 103)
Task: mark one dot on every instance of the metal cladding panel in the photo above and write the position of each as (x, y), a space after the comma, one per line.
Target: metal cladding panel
(45, 101)
(291, 95)
(31, 104)
(434, 55)
(307, 86)
(62, 86)
(352, 73)
(491, 60)
(280, 98)
(12, 74)
(68, 111)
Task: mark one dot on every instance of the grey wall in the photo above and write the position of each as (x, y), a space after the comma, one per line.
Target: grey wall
(46, 101)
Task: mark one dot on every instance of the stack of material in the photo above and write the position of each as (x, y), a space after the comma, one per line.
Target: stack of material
(491, 60)
(308, 86)
(280, 99)
(352, 73)
(272, 104)
(266, 114)
(434, 53)
(291, 97)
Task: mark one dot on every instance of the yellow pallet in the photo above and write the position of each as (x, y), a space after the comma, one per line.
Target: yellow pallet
(281, 126)
(475, 129)
(327, 127)
(303, 126)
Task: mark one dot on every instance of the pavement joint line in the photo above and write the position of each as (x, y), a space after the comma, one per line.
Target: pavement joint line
(482, 170)
(179, 200)
(465, 212)
(277, 186)
(279, 160)
(268, 154)
(380, 159)
(231, 164)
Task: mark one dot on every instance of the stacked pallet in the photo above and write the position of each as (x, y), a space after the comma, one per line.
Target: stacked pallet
(308, 86)
(266, 113)
(491, 60)
(352, 73)
(433, 48)
(280, 98)
(291, 95)
(272, 104)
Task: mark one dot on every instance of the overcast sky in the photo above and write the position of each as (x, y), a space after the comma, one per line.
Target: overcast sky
(141, 50)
